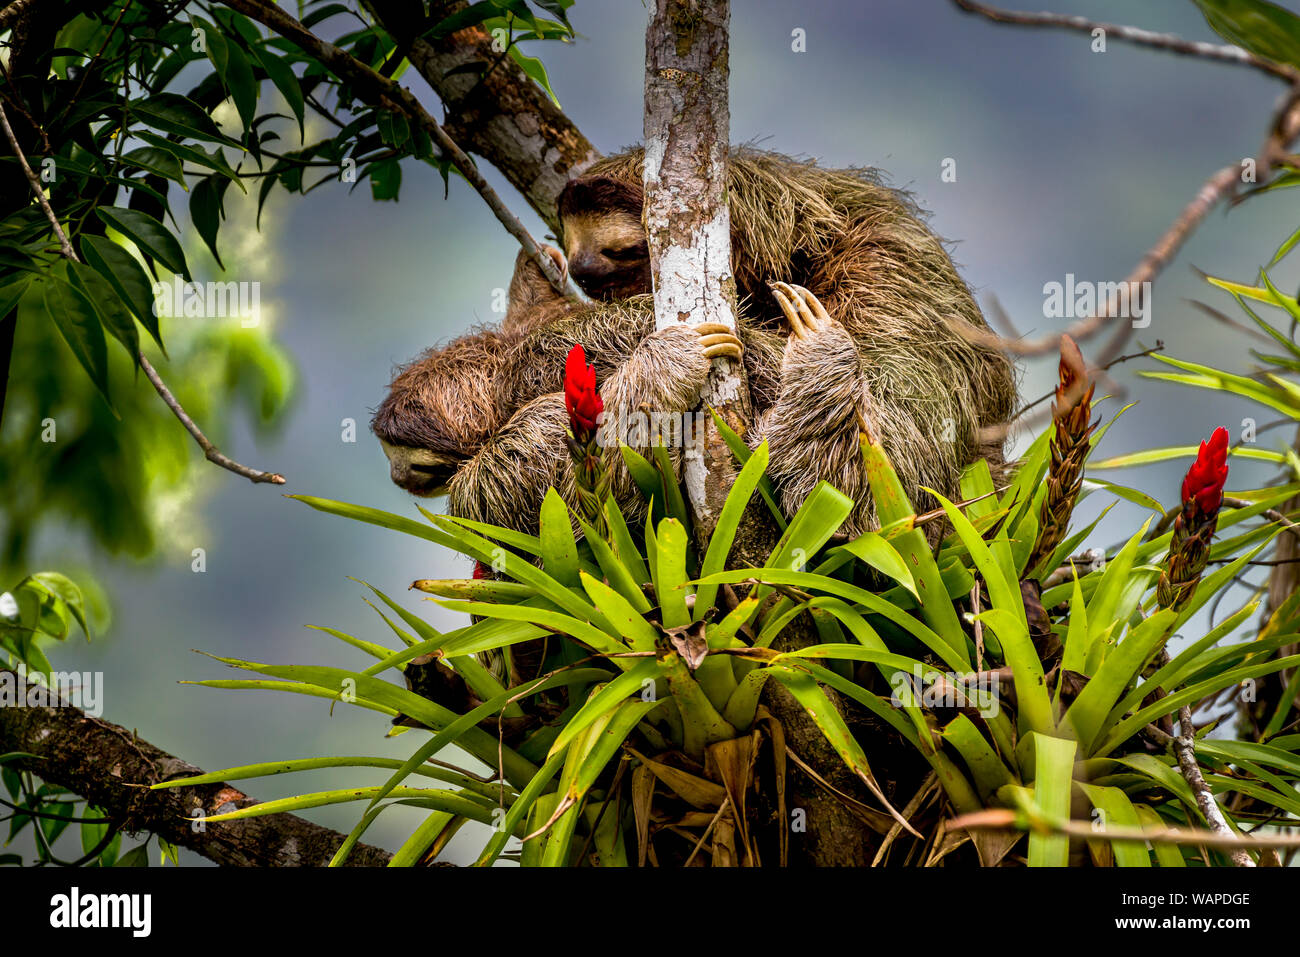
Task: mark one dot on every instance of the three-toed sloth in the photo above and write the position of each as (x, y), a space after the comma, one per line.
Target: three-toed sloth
(867, 331)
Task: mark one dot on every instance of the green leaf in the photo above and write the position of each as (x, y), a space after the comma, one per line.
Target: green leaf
(820, 517)
(77, 321)
(184, 151)
(151, 236)
(1206, 377)
(206, 212)
(987, 769)
(582, 630)
(829, 721)
(624, 547)
(724, 533)
(615, 572)
(136, 857)
(1053, 774)
(639, 633)
(833, 586)
(421, 839)
(113, 313)
(1144, 716)
(127, 276)
(159, 162)
(1128, 494)
(535, 71)
(1264, 29)
(235, 71)
(385, 178)
(281, 74)
(559, 548)
(604, 699)
(670, 584)
(742, 454)
(1086, 716)
(173, 113)
(880, 555)
(1116, 809)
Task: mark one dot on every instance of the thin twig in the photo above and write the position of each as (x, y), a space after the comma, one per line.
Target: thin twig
(999, 432)
(1168, 42)
(708, 830)
(1271, 514)
(1003, 819)
(210, 451)
(1185, 748)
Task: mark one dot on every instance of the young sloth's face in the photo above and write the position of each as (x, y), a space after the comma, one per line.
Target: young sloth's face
(437, 413)
(607, 254)
(421, 472)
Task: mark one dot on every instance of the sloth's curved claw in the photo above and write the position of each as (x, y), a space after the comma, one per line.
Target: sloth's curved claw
(718, 340)
(779, 291)
(811, 302)
(804, 311)
(722, 344)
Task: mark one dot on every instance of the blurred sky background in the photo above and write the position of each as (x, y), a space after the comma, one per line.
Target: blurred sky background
(1068, 161)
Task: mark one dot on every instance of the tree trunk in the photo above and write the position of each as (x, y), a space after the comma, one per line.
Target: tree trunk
(687, 128)
(687, 139)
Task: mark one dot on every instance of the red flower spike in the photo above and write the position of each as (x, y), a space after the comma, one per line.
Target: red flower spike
(1205, 479)
(581, 399)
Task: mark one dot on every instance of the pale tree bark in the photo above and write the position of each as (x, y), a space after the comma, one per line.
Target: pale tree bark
(687, 138)
(687, 128)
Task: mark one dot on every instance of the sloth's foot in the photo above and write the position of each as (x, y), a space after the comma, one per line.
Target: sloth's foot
(718, 340)
(804, 311)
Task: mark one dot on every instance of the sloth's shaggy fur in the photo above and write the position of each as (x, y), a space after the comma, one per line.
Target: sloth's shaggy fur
(895, 355)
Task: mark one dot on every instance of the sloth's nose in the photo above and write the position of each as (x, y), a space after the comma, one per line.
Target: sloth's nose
(420, 479)
(589, 267)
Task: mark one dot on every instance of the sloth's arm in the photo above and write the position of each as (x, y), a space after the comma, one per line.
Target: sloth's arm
(828, 384)
(506, 481)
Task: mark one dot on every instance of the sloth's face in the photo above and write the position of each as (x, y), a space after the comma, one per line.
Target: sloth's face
(607, 254)
(420, 471)
(424, 433)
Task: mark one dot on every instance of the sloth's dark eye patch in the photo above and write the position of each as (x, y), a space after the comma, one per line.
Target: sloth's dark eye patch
(626, 254)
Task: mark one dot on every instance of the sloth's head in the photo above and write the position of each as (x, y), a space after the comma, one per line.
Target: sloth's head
(439, 411)
(604, 239)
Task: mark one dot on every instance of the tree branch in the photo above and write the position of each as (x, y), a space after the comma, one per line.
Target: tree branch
(498, 113)
(210, 451)
(111, 768)
(12, 12)
(1185, 747)
(1283, 130)
(379, 90)
(1168, 42)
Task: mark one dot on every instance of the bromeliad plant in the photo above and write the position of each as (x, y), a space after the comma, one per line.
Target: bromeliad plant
(627, 722)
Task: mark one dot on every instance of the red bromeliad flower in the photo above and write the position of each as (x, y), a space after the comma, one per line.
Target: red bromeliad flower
(585, 407)
(1205, 479)
(1193, 532)
(581, 399)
